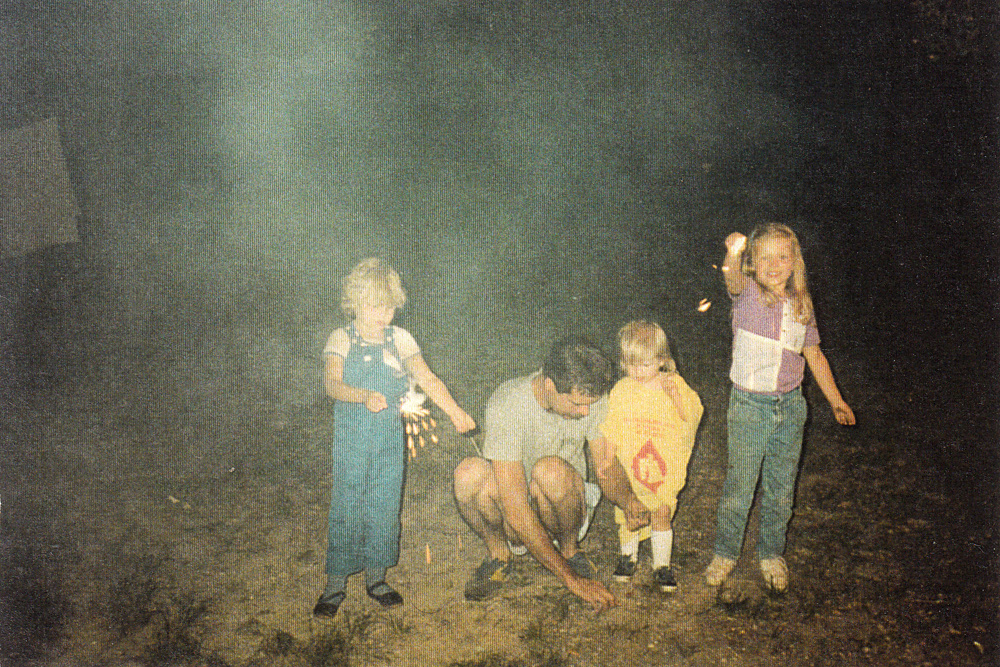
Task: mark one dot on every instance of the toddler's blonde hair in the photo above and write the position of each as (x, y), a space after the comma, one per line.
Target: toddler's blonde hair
(797, 288)
(371, 282)
(642, 341)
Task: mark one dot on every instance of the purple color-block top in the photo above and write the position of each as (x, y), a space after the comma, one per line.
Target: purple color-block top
(767, 343)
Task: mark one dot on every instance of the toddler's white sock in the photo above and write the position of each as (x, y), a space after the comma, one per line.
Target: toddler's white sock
(631, 548)
(662, 542)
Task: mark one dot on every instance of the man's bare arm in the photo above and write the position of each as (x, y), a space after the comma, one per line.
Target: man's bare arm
(517, 510)
(615, 485)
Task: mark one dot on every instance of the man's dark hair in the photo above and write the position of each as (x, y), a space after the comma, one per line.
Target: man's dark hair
(576, 363)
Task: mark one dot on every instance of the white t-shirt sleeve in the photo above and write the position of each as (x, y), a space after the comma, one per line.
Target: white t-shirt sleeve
(406, 344)
(339, 343)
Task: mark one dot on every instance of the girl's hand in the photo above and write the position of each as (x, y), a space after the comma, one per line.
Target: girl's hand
(843, 414)
(735, 243)
(375, 402)
(462, 421)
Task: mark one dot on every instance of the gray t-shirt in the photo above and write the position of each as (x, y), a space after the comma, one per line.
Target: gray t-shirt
(518, 429)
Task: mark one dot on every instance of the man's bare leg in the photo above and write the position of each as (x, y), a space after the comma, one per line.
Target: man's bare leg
(558, 492)
(478, 500)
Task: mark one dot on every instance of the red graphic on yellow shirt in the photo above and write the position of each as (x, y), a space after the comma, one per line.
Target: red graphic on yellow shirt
(648, 467)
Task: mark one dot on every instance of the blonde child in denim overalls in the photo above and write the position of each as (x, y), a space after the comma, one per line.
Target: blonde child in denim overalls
(368, 368)
(774, 337)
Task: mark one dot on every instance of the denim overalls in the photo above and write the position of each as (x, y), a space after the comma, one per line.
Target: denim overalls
(368, 463)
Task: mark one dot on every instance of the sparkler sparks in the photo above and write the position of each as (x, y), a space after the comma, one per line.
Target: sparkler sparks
(412, 406)
(416, 418)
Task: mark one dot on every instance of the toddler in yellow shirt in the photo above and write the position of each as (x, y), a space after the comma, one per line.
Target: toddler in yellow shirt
(653, 416)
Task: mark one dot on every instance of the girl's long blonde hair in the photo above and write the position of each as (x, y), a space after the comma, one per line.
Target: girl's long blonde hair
(797, 288)
(371, 282)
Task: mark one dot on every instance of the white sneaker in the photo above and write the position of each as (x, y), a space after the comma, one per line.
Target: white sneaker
(718, 570)
(775, 572)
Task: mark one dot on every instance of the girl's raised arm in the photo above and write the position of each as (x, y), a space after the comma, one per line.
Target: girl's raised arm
(731, 271)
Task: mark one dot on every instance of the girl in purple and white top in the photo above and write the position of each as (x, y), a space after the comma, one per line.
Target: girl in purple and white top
(774, 338)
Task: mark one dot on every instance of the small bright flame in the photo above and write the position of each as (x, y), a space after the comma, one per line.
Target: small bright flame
(413, 405)
(704, 305)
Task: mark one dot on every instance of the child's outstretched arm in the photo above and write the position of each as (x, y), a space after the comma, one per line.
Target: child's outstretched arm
(432, 385)
(670, 388)
(820, 369)
(337, 389)
(731, 265)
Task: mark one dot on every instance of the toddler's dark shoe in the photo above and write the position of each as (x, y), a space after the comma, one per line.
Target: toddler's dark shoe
(327, 606)
(624, 569)
(664, 578)
(385, 595)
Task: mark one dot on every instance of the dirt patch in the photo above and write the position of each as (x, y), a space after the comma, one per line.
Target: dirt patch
(892, 562)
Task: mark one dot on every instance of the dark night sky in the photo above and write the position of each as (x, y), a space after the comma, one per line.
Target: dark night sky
(550, 165)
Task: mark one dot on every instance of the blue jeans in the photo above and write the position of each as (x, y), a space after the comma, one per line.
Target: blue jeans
(765, 443)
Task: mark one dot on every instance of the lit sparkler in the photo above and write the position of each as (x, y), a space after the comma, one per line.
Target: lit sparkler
(416, 418)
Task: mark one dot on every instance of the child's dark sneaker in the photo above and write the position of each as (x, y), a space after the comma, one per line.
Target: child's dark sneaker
(487, 579)
(385, 595)
(664, 578)
(624, 569)
(582, 565)
(328, 605)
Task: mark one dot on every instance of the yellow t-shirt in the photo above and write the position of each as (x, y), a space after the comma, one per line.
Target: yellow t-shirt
(650, 439)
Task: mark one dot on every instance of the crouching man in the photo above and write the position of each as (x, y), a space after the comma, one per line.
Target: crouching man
(529, 491)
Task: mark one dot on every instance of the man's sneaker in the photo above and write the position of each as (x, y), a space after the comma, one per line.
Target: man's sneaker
(487, 579)
(582, 566)
(624, 569)
(664, 578)
(775, 572)
(718, 570)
